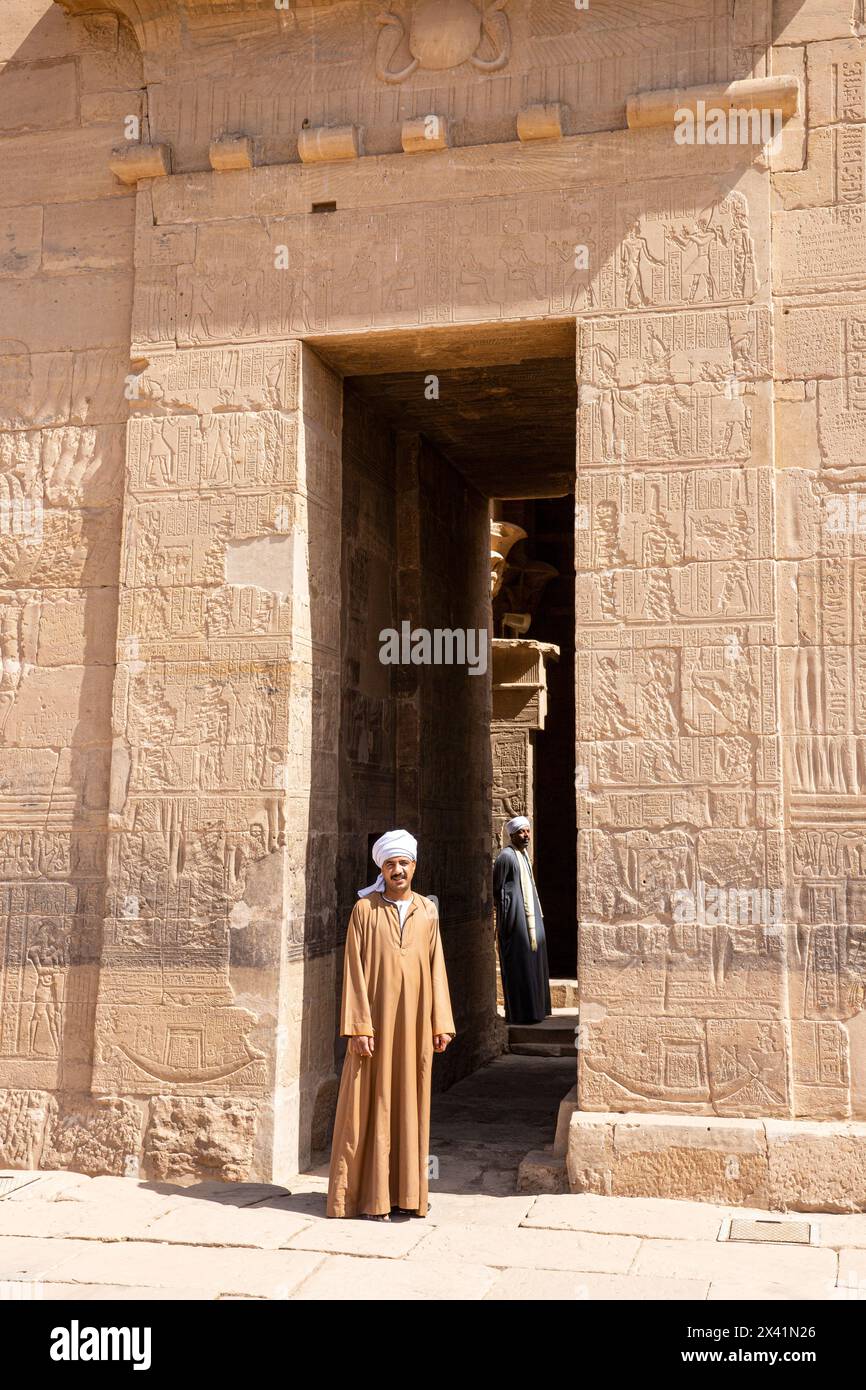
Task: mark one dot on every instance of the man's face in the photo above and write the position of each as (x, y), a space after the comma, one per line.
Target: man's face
(520, 838)
(398, 874)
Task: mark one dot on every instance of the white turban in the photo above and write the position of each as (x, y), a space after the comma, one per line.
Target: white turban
(392, 844)
(518, 823)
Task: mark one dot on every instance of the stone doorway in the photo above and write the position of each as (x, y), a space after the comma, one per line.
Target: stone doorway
(441, 429)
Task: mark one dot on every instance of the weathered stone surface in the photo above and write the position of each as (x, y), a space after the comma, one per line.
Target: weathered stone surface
(345, 1277)
(203, 529)
(818, 1166)
(530, 1248)
(231, 152)
(87, 236)
(669, 1156)
(24, 1118)
(131, 163)
(260, 1273)
(94, 1136)
(191, 1136)
(781, 1164)
(810, 1270)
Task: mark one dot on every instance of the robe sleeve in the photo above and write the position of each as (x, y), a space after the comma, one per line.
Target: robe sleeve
(442, 1018)
(503, 889)
(355, 1017)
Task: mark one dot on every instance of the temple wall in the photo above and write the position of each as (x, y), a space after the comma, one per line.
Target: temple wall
(819, 245)
(169, 941)
(66, 279)
(368, 722)
(454, 755)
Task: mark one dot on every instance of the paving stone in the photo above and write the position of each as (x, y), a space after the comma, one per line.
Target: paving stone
(389, 1240)
(477, 1208)
(732, 1291)
(204, 1223)
(27, 1257)
(852, 1273)
(634, 1216)
(805, 1266)
(340, 1277)
(836, 1231)
(84, 1293)
(267, 1273)
(567, 1284)
(533, 1249)
(38, 1186)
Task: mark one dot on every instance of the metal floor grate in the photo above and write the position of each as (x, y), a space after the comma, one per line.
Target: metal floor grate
(771, 1232)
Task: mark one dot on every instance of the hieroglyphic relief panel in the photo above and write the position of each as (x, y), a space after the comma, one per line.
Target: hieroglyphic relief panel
(721, 1066)
(692, 386)
(229, 470)
(821, 248)
(824, 348)
(573, 251)
(61, 463)
(673, 247)
(683, 954)
(834, 175)
(694, 545)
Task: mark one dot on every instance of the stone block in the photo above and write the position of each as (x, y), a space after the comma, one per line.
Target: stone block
(63, 166)
(794, 1165)
(810, 21)
(540, 122)
(20, 240)
(321, 144)
(424, 133)
(189, 1136)
(131, 163)
(345, 1277)
(94, 1136)
(529, 1248)
(680, 1156)
(818, 1165)
(88, 236)
(542, 1171)
(231, 152)
(38, 96)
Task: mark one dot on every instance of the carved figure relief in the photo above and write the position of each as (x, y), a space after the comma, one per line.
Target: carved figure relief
(443, 34)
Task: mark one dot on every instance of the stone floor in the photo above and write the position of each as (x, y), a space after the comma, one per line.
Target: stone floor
(65, 1236)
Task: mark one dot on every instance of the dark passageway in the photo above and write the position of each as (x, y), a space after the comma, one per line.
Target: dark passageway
(426, 450)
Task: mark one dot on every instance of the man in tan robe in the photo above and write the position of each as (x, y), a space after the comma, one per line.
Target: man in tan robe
(396, 1013)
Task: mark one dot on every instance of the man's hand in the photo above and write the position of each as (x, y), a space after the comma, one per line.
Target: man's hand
(441, 1041)
(361, 1046)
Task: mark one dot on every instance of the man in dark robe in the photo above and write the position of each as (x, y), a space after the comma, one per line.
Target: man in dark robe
(522, 945)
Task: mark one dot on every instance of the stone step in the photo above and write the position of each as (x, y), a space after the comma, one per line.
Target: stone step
(555, 1032)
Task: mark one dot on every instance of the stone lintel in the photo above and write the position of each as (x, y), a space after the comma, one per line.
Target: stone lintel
(231, 152)
(781, 93)
(797, 1165)
(424, 133)
(130, 163)
(541, 122)
(320, 144)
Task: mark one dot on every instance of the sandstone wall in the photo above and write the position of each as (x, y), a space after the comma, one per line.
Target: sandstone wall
(819, 250)
(166, 946)
(66, 277)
